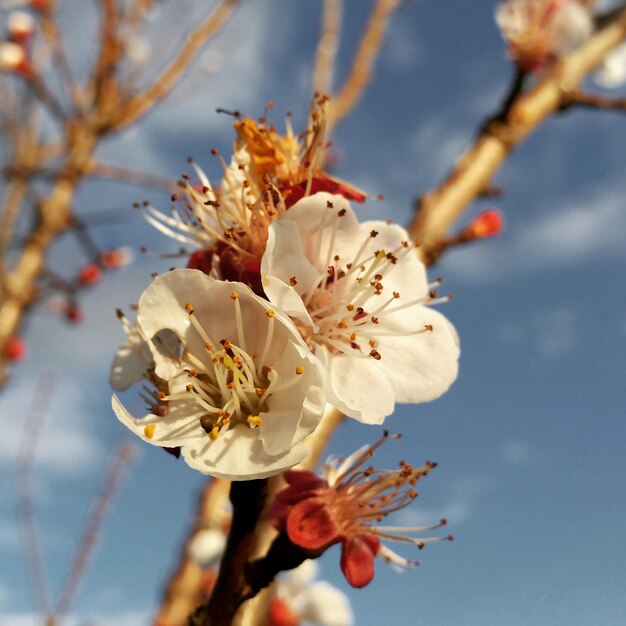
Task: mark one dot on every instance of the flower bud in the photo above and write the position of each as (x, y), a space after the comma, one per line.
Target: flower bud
(489, 223)
(20, 26)
(90, 275)
(16, 349)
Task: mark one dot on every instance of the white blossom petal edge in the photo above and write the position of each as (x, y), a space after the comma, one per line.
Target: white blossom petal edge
(359, 296)
(245, 390)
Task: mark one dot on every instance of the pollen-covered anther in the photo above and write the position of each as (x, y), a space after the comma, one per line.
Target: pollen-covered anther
(160, 395)
(429, 328)
(342, 324)
(292, 281)
(189, 307)
(192, 373)
(234, 295)
(148, 430)
(375, 355)
(373, 233)
(299, 370)
(270, 313)
(214, 434)
(396, 294)
(254, 421)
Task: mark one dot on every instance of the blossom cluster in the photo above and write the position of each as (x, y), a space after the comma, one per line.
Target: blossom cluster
(538, 31)
(287, 303)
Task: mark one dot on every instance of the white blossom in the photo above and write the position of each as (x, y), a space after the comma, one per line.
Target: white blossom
(244, 391)
(206, 547)
(612, 72)
(537, 30)
(360, 298)
(314, 602)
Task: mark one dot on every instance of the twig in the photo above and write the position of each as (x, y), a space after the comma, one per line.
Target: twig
(92, 530)
(327, 47)
(140, 104)
(343, 102)
(592, 101)
(24, 489)
(438, 209)
(130, 175)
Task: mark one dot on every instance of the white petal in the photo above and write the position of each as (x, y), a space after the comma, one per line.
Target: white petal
(177, 429)
(358, 387)
(327, 606)
(206, 547)
(129, 365)
(240, 456)
(421, 367)
(570, 26)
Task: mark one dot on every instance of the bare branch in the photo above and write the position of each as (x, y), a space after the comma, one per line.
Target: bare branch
(327, 47)
(24, 489)
(439, 209)
(93, 527)
(592, 101)
(343, 102)
(130, 175)
(140, 104)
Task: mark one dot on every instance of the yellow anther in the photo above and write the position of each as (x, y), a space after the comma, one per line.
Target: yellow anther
(189, 307)
(213, 435)
(228, 362)
(343, 324)
(299, 369)
(148, 431)
(255, 420)
(234, 295)
(270, 313)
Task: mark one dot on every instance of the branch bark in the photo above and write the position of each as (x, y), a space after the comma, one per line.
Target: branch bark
(439, 209)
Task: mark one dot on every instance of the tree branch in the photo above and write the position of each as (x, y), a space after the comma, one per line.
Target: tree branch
(140, 104)
(438, 209)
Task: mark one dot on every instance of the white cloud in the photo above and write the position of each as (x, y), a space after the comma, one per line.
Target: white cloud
(550, 332)
(518, 452)
(459, 508)
(65, 443)
(563, 237)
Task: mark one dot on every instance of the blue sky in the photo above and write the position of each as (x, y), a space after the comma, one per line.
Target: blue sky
(530, 439)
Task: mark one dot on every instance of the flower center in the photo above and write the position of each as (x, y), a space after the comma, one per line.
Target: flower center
(230, 385)
(343, 304)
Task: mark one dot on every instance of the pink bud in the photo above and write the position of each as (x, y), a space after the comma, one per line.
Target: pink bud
(90, 274)
(489, 223)
(74, 314)
(16, 349)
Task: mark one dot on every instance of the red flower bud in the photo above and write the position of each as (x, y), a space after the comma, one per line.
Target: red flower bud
(16, 349)
(489, 223)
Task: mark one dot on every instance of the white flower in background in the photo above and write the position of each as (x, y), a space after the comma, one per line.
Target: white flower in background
(538, 30)
(302, 600)
(359, 296)
(206, 547)
(612, 72)
(245, 390)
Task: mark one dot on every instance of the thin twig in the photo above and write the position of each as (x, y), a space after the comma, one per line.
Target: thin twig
(439, 209)
(92, 530)
(24, 490)
(140, 104)
(132, 176)
(592, 101)
(327, 47)
(343, 102)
